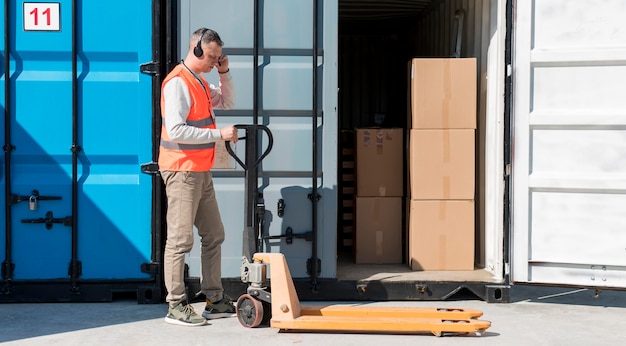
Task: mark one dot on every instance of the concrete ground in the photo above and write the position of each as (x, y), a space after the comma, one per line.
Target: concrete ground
(535, 316)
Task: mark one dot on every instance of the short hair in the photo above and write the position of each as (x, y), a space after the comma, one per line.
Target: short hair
(208, 37)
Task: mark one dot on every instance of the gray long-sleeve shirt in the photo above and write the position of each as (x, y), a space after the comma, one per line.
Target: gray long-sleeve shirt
(177, 105)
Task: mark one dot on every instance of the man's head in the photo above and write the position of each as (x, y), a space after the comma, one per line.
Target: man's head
(205, 46)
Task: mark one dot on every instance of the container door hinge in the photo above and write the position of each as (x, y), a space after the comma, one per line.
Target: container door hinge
(151, 68)
(150, 168)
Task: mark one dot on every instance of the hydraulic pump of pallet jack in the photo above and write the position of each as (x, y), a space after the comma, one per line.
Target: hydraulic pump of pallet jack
(255, 274)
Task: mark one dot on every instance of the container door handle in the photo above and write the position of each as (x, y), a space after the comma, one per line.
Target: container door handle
(49, 220)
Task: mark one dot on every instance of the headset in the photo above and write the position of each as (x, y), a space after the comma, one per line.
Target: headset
(197, 50)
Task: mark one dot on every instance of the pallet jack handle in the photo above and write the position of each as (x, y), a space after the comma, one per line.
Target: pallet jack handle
(254, 207)
(251, 137)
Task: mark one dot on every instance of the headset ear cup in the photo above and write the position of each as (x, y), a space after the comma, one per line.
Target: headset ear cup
(197, 51)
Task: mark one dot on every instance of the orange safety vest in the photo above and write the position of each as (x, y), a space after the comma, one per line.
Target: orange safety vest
(189, 157)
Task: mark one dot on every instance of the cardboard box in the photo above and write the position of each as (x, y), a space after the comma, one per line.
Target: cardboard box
(442, 164)
(379, 162)
(443, 93)
(378, 230)
(223, 160)
(441, 235)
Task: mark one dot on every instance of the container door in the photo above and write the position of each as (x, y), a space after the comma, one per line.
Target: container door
(569, 146)
(277, 92)
(78, 124)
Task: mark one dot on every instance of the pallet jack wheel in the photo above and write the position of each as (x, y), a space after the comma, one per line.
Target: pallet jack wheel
(249, 311)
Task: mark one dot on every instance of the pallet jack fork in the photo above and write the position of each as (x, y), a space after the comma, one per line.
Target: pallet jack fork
(288, 314)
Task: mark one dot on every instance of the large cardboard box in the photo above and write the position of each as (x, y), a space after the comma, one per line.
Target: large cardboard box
(379, 162)
(442, 164)
(378, 230)
(443, 93)
(441, 235)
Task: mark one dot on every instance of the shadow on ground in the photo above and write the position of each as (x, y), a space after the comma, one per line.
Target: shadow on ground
(23, 321)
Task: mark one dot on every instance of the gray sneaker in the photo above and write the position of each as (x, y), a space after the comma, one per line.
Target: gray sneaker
(183, 314)
(220, 309)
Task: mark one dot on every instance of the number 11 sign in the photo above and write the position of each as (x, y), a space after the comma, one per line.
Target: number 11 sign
(42, 16)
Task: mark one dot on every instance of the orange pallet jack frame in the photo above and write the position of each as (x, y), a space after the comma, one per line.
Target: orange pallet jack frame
(283, 310)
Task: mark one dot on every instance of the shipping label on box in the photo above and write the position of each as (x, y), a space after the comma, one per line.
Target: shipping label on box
(441, 235)
(378, 230)
(443, 93)
(379, 162)
(441, 164)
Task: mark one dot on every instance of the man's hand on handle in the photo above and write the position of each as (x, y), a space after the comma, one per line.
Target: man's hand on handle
(229, 133)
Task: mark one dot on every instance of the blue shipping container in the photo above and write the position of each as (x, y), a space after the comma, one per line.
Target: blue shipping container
(78, 126)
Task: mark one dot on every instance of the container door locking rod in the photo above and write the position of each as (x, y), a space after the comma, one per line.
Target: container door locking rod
(33, 199)
(75, 267)
(254, 207)
(8, 266)
(314, 264)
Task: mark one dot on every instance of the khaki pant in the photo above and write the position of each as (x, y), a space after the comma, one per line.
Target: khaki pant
(191, 201)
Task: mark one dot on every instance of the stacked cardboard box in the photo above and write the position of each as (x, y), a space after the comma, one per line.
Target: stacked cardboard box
(379, 192)
(441, 164)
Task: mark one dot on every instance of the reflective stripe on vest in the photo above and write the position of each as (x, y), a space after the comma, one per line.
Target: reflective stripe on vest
(181, 146)
(201, 123)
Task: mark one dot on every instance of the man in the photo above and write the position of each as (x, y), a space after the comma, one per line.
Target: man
(186, 156)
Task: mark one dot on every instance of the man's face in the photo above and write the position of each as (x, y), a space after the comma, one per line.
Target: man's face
(211, 56)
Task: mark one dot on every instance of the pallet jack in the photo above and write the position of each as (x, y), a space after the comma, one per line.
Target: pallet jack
(281, 306)
(288, 314)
